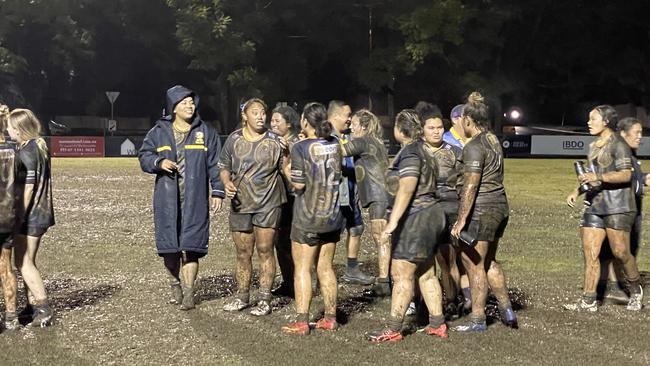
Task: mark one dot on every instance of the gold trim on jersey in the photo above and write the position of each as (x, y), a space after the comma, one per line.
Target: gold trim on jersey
(164, 148)
(196, 147)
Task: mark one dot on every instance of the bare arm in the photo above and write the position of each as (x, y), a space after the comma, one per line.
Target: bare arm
(467, 198)
(229, 186)
(28, 191)
(405, 191)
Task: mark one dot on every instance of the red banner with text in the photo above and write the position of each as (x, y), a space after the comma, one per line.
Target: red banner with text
(77, 146)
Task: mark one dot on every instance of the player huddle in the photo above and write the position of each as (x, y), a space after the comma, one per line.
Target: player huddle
(298, 186)
(26, 213)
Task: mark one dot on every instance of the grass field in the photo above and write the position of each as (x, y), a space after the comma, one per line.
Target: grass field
(110, 291)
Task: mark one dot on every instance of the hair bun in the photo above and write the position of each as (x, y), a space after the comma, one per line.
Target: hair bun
(475, 98)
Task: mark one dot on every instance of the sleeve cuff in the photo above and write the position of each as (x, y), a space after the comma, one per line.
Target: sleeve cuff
(218, 193)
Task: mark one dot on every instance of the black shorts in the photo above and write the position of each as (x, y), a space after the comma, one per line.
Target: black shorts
(37, 231)
(245, 221)
(622, 221)
(488, 221)
(286, 216)
(187, 255)
(451, 213)
(353, 220)
(312, 239)
(378, 210)
(6, 242)
(418, 234)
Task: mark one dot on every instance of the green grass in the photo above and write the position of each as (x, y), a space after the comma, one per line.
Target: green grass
(110, 290)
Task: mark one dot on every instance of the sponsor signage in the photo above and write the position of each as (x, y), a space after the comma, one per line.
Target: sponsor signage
(117, 146)
(516, 145)
(571, 145)
(77, 146)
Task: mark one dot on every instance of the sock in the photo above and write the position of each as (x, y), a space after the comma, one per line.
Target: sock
(244, 296)
(395, 324)
(264, 296)
(477, 319)
(330, 316)
(635, 286)
(436, 321)
(589, 298)
(302, 318)
(467, 294)
(353, 263)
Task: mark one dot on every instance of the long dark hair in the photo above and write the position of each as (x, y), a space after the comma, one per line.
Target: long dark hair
(290, 115)
(626, 124)
(316, 115)
(609, 115)
(477, 110)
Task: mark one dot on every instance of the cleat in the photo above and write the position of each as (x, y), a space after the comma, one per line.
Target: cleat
(452, 311)
(581, 305)
(42, 316)
(11, 322)
(509, 319)
(284, 290)
(615, 294)
(471, 327)
(636, 301)
(380, 289)
(177, 294)
(385, 335)
(298, 328)
(441, 331)
(188, 299)
(411, 310)
(327, 324)
(356, 277)
(236, 304)
(261, 309)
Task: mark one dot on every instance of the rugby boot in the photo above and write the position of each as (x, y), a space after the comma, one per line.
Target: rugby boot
(582, 305)
(261, 308)
(385, 335)
(477, 325)
(236, 304)
(43, 316)
(11, 321)
(298, 328)
(177, 294)
(285, 290)
(187, 303)
(452, 310)
(381, 288)
(356, 277)
(327, 323)
(636, 301)
(441, 331)
(614, 293)
(509, 319)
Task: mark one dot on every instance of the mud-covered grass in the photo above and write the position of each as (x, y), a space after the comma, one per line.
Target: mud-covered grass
(110, 291)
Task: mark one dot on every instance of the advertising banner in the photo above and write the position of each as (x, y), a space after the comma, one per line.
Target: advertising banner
(516, 145)
(571, 145)
(77, 146)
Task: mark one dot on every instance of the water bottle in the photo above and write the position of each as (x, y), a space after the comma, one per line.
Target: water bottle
(579, 167)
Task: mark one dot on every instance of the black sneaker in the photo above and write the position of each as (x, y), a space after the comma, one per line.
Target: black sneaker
(42, 316)
(27, 313)
(380, 289)
(355, 276)
(177, 294)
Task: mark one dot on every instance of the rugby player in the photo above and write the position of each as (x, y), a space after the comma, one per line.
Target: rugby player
(370, 165)
(250, 165)
(483, 212)
(37, 209)
(338, 114)
(417, 220)
(315, 172)
(285, 122)
(448, 165)
(8, 201)
(611, 212)
(182, 150)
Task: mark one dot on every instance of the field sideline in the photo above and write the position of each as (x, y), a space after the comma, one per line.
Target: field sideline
(110, 291)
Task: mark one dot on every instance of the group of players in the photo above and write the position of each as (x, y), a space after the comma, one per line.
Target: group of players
(26, 213)
(297, 186)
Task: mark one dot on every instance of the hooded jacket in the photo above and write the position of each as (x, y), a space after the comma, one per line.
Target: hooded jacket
(182, 226)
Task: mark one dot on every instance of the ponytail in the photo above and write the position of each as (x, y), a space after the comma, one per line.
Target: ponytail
(316, 116)
(408, 123)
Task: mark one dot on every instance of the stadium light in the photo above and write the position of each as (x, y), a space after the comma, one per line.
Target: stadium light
(514, 114)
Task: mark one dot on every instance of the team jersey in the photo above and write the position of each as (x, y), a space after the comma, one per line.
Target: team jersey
(291, 140)
(40, 212)
(316, 163)
(483, 155)
(180, 139)
(453, 138)
(370, 165)
(255, 170)
(611, 198)
(8, 187)
(414, 160)
(449, 170)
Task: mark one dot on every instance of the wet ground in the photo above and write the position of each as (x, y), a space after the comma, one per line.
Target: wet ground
(110, 292)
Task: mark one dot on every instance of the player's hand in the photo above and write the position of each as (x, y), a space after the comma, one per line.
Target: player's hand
(456, 229)
(215, 204)
(230, 188)
(388, 230)
(168, 166)
(572, 198)
(589, 178)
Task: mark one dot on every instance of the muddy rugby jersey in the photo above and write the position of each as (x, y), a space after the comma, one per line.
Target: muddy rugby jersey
(414, 160)
(316, 163)
(611, 155)
(449, 170)
(40, 213)
(483, 155)
(370, 165)
(255, 170)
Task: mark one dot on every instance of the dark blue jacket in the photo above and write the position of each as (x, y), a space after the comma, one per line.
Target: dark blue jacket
(190, 231)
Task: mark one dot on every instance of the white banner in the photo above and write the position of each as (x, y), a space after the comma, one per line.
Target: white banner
(572, 145)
